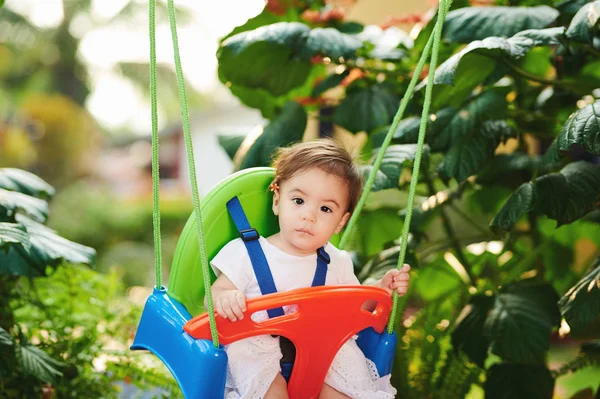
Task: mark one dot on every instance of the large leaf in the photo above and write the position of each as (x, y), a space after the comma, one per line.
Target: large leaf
(518, 381)
(367, 108)
(270, 105)
(277, 57)
(508, 168)
(468, 334)
(24, 182)
(395, 159)
(37, 363)
(332, 43)
(475, 23)
(469, 153)
(270, 56)
(585, 23)
(583, 128)
(437, 280)
(492, 48)
(580, 306)
(288, 127)
(264, 18)
(522, 318)
(13, 234)
(564, 196)
(12, 202)
(47, 249)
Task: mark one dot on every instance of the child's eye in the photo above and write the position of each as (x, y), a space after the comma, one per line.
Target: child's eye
(326, 209)
(298, 201)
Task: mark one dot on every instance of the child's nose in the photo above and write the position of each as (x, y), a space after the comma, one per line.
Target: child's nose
(309, 216)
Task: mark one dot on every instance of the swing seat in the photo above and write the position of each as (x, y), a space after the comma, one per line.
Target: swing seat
(198, 367)
(327, 316)
(334, 310)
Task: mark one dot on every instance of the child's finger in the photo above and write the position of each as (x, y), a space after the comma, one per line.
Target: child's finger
(235, 308)
(228, 310)
(402, 277)
(219, 309)
(241, 300)
(405, 268)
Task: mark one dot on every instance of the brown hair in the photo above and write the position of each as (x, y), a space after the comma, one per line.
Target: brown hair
(325, 154)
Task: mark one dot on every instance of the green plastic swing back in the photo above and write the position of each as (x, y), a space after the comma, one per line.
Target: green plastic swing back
(251, 186)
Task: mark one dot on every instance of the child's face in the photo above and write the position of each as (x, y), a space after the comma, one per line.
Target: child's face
(311, 206)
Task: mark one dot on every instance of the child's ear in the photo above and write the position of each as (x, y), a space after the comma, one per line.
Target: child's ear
(276, 202)
(342, 222)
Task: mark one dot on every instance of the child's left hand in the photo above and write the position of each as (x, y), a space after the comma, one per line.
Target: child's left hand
(396, 280)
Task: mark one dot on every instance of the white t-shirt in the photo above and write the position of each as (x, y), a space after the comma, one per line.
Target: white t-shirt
(289, 271)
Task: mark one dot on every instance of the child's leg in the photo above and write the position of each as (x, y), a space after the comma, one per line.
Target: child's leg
(278, 389)
(328, 392)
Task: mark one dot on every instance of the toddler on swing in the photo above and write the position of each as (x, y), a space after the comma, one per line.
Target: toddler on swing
(315, 189)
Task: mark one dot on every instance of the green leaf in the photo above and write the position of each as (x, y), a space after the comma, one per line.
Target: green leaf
(288, 127)
(580, 306)
(365, 109)
(564, 196)
(584, 23)
(271, 105)
(231, 143)
(520, 202)
(5, 338)
(469, 153)
(37, 363)
(386, 260)
(492, 48)
(396, 158)
(264, 18)
(277, 57)
(24, 182)
(47, 249)
(11, 234)
(437, 280)
(375, 230)
(7, 354)
(12, 202)
(266, 58)
(468, 333)
(522, 318)
(329, 82)
(518, 381)
(475, 23)
(511, 168)
(583, 128)
(332, 43)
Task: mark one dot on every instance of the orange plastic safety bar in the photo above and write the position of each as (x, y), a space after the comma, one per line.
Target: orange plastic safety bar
(326, 318)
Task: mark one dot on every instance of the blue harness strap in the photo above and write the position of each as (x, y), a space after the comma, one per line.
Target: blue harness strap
(257, 256)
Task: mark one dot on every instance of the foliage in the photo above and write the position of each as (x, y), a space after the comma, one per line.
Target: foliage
(57, 317)
(509, 196)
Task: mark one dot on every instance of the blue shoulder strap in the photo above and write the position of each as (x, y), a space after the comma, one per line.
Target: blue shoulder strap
(257, 256)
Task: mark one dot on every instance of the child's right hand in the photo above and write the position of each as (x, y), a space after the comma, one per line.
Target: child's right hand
(230, 304)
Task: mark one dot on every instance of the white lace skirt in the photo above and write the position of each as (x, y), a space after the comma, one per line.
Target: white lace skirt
(254, 364)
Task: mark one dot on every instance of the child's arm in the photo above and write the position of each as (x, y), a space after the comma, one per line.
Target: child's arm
(229, 301)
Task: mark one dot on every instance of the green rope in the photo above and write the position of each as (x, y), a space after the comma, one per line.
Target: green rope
(155, 169)
(437, 32)
(192, 170)
(386, 142)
